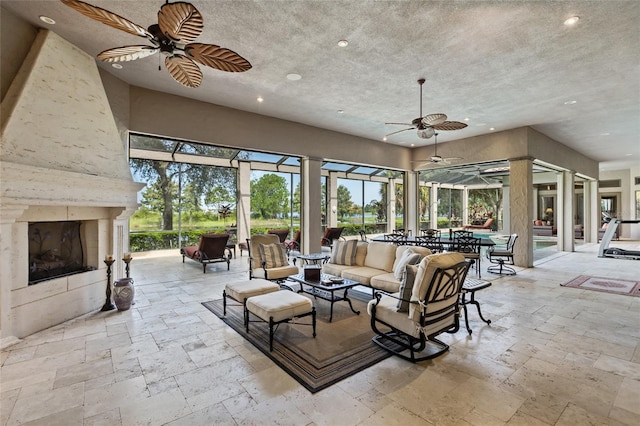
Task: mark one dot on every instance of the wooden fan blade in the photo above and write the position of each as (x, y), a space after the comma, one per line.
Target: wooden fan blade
(180, 21)
(217, 57)
(403, 130)
(126, 53)
(433, 119)
(108, 18)
(402, 124)
(450, 125)
(184, 70)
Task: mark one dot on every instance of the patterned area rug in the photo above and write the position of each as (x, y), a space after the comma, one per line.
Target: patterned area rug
(341, 348)
(606, 285)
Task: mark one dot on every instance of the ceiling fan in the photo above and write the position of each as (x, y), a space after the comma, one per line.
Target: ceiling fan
(179, 24)
(427, 125)
(435, 158)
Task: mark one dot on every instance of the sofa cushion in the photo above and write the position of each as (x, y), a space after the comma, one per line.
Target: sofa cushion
(361, 252)
(409, 257)
(426, 269)
(344, 252)
(380, 256)
(333, 269)
(385, 282)
(362, 274)
(406, 287)
(274, 255)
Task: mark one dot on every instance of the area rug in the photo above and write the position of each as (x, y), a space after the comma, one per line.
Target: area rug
(606, 285)
(341, 348)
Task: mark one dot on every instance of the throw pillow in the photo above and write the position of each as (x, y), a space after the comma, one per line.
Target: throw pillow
(409, 257)
(274, 255)
(406, 287)
(344, 252)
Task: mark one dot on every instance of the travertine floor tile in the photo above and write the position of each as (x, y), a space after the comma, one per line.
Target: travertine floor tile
(552, 356)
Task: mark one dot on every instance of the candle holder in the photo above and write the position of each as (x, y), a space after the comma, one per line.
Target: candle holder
(108, 304)
(127, 261)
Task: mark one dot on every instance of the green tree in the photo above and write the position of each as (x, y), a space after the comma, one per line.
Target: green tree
(164, 175)
(269, 196)
(344, 202)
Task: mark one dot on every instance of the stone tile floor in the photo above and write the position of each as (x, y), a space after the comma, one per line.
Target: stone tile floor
(552, 356)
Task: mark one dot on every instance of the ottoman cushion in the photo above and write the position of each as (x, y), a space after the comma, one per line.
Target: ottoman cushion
(280, 305)
(242, 290)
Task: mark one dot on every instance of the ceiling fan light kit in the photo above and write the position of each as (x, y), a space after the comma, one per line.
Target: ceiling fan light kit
(179, 24)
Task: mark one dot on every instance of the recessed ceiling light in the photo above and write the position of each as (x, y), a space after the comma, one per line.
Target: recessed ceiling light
(47, 20)
(343, 43)
(260, 99)
(294, 77)
(570, 102)
(384, 139)
(340, 111)
(572, 21)
(116, 66)
(492, 128)
(413, 144)
(628, 155)
(605, 134)
(467, 119)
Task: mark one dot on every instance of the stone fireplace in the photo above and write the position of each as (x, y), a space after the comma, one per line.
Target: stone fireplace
(66, 191)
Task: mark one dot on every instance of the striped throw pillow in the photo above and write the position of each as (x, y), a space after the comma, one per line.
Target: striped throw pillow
(344, 252)
(274, 255)
(406, 287)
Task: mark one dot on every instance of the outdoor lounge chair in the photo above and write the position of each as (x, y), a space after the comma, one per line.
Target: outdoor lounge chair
(331, 234)
(433, 308)
(487, 225)
(281, 233)
(211, 249)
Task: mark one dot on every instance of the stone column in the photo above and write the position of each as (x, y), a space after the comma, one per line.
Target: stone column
(565, 210)
(506, 208)
(520, 209)
(410, 193)
(433, 206)
(310, 222)
(120, 238)
(332, 200)
(465, 206)
(8, 261)
(592, 221)
(391, 204)
(243, 206)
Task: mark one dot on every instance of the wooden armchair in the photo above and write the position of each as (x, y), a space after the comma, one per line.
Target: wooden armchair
(211, 249)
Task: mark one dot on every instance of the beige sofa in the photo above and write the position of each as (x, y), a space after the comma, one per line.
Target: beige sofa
(374, 265)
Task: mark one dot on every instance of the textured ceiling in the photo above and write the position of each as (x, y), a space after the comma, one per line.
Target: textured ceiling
(502, 64)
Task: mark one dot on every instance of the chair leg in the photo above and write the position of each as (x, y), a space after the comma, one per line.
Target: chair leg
(224, 303)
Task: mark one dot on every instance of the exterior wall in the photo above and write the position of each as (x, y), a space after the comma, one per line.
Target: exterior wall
(204, 122)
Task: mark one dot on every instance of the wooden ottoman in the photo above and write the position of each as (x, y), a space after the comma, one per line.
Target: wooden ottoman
(242, 290)
(279, 307)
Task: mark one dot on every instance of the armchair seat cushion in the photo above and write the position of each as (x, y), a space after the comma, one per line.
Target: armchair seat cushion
(387, 311)
(277, 273)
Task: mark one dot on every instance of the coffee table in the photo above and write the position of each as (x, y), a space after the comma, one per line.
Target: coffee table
(326, 291)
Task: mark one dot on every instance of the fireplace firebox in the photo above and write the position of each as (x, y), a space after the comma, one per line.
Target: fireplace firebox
(56, 250)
